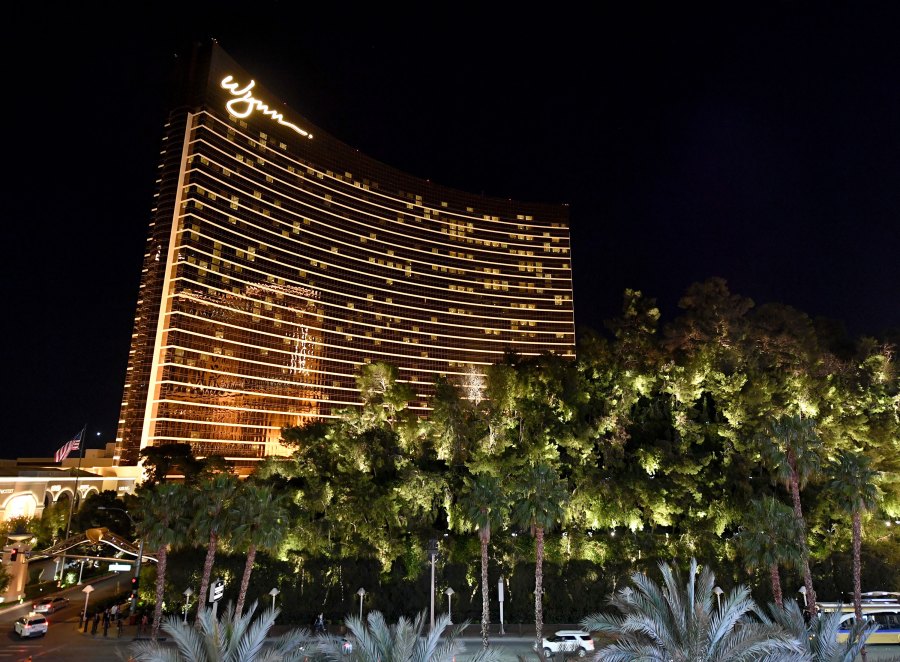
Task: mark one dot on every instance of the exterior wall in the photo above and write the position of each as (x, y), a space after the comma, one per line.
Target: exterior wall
(280, 260)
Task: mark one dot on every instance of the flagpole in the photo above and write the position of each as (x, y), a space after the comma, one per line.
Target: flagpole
(62, 571)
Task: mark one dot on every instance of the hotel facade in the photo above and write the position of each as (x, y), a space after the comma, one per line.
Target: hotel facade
(280, 260)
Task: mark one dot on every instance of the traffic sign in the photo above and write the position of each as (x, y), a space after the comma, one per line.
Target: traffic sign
(119, 567)
(216, 590)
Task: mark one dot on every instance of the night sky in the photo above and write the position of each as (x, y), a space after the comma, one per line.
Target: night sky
(759, 143)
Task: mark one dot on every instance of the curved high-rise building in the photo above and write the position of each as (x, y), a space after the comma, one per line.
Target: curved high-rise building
(279, 260)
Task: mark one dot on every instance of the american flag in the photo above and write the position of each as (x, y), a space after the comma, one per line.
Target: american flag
(71, 445)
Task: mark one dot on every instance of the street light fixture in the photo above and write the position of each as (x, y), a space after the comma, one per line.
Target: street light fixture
(802, 590)
(137, 566)
(718, 591)
(432, 554)
(188, 592)
(273, 593)
(87, 590)
(449, 593)
(361, 593)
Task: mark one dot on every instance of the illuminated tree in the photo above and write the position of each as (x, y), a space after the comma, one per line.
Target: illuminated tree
(794, 452)
(852, 487)
(768, 538)
(163, 521)
(484, 506)
(540, 504)
(212, 502)
(262, 521)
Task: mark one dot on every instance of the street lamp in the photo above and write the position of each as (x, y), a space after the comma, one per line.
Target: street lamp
(361, 593)
(802, 590)
(273, 593)
(718, 591)
(432, 554)
(188, 592)
(449, 593)
(500, 598)
(137, 566)
(87, 590)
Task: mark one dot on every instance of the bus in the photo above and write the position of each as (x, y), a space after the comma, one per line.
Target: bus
(882, 607)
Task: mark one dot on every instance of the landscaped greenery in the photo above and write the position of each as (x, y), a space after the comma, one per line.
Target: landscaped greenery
(657, 442)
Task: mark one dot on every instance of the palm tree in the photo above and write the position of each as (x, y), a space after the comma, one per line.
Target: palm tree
(793, 449)
(232, 638)
(262, 524)
(680, 620)
(852, 486)
(483, 504)
(211, 517)
(407, 641)
(540, 507)
(768, 539)
(819, 636)
(163, 524)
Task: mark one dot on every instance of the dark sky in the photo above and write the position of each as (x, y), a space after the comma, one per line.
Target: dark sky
(758, 142)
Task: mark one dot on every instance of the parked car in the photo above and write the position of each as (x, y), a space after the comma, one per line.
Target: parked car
(50, 605)
(32, 625)
(577, 642)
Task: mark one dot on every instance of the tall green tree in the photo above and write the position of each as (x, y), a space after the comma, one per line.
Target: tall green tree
(163, 522)
(540, 506)
(768, 539)
(213, 515)
(262, 524)
(853, 488)
(483, 504)
(794, 451)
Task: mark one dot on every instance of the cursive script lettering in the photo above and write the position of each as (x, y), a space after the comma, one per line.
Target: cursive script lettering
(245, 103)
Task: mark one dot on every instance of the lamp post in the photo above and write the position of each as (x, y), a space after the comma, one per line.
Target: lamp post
(802, 590)
(140, 557)
(449, 593)
(432, 554)
(273, 593)
(87, 590)
(361, 593)
(718, 591)
(188, 592)
(500, 598)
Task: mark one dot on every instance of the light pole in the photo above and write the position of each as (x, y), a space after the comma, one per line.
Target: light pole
(802, 590)
(449, 593)
(140, 557)
(500, 598)
(273, 593)
(432, 553)
(87, 590)
(718, 591)
(188, 592)
(361, 593)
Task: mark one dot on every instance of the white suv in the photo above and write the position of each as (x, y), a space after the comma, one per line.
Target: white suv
(32, 625)
(577, 642)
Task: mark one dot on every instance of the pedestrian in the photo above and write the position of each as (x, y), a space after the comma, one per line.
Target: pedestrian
(95, 623)
(119, 627)
(87, 620)
(82, 614)
(105, 622)
(144, 624)
(320, 623)
(114, 613)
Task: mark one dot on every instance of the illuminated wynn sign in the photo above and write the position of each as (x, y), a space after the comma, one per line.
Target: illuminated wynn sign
(246, 103)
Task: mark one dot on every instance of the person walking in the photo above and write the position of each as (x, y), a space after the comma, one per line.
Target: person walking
(320, 624)
(119, 627)
(144, 623)
(106, 622)
(95, 623)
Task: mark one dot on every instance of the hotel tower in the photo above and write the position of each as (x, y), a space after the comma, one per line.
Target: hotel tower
(280, 260)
